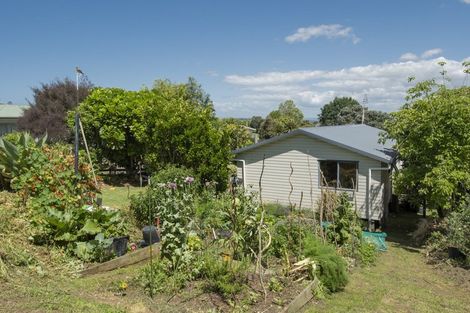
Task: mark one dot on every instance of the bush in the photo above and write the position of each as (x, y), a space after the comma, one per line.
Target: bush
(60, 203)
(226, 278)
(332, 268)
(287, 238)
(173, 174)
(459, 229)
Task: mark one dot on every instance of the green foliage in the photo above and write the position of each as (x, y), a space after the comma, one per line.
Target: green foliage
(346, 110)
(160, 277)
(168, 124)
(226, 278)
(239, 136)
(286, 118)
(256, 122)
(287, 238)
(332, 268)
(174, 174)
(58, 200)
(459, 229)
(367, 253)
(345, 226)
(173, 204)
(275, 285)
(432, 136)
(241, 220)
(10, 154)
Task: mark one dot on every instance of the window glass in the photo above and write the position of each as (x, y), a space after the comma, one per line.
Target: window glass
(329, 171)
(347, 175)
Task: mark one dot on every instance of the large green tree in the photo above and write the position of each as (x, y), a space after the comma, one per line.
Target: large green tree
(167, 124)
(346, 110)
(286, 118)
(432, 137)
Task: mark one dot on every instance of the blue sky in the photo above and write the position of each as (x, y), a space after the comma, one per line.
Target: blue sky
(248, 55)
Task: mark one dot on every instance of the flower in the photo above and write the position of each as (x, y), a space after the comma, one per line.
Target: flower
(189, 180)
(172, 185)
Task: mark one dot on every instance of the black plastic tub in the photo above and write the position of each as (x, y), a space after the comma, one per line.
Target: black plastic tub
(119, 245)
(150, 235)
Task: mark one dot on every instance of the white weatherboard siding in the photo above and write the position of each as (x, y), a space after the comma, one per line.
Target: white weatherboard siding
(300, 150)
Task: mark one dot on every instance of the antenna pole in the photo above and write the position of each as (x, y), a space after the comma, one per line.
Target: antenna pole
(364, 103)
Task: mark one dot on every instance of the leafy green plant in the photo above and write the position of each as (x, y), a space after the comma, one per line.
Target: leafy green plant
(332, 267)
(11, 154)
(61, 203)
(226, 278)
(173, 204)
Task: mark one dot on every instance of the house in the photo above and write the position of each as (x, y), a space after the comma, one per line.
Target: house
(345, 158)
(9, 114)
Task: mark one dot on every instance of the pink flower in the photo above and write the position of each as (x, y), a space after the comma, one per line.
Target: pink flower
(189, 180)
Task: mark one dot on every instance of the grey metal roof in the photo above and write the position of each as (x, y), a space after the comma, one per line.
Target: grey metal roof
(11, 110)
(362, 139)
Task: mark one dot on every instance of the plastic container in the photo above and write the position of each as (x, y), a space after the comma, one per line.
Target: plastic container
(150, 235)
(119, 245)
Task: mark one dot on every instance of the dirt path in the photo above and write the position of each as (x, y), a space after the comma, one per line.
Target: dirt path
(402, 281)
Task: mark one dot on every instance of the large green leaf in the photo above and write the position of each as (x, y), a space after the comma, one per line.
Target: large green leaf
(90, 227)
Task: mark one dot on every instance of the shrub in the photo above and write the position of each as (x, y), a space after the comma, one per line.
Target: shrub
(459, 229)
(332, 267)
(367, 253)
(158, 277)
(226, 278)
(59, 203)
(287, 238)
(173, 174)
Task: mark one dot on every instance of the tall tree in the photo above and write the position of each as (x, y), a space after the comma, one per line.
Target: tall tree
(346, 110)
(256, 122)
(48, 111)
(432, 136)
(286, 118)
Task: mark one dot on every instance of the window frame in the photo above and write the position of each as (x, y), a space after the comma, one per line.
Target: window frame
(337, 174)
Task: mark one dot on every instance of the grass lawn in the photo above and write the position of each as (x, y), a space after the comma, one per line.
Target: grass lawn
(118, 196)
(401, 281)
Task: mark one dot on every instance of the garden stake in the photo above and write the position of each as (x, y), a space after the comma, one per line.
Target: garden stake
(151, 222)
(260, 239)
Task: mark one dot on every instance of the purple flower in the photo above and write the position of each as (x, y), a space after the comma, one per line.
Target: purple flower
(172, 185)
(189, 180)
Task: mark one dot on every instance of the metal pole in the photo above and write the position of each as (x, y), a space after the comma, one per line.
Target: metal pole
(77, 117)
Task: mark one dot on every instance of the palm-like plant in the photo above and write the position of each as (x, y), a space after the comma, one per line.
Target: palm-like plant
(10, 154)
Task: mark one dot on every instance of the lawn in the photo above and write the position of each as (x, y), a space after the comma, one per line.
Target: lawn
(118, 196)
(402, 281)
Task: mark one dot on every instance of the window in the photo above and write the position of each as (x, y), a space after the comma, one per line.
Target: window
(338, 174)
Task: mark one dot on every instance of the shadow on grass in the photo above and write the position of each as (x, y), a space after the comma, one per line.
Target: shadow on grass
(399, 231)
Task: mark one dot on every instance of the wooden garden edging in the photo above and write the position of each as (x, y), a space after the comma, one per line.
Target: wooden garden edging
(305, 296)
(123, 261)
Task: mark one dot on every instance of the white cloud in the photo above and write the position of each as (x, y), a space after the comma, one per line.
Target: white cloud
(431, 52)
(409, 57)
(385, 84)
(329, 31)
(466, 1)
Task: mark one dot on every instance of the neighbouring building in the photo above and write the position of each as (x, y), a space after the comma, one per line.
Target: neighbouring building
(9, 115)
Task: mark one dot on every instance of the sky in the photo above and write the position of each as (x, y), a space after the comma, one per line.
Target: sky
(248, 55)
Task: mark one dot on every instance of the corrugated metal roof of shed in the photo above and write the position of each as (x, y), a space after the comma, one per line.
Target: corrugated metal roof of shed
(360, 138)
(11, 110)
